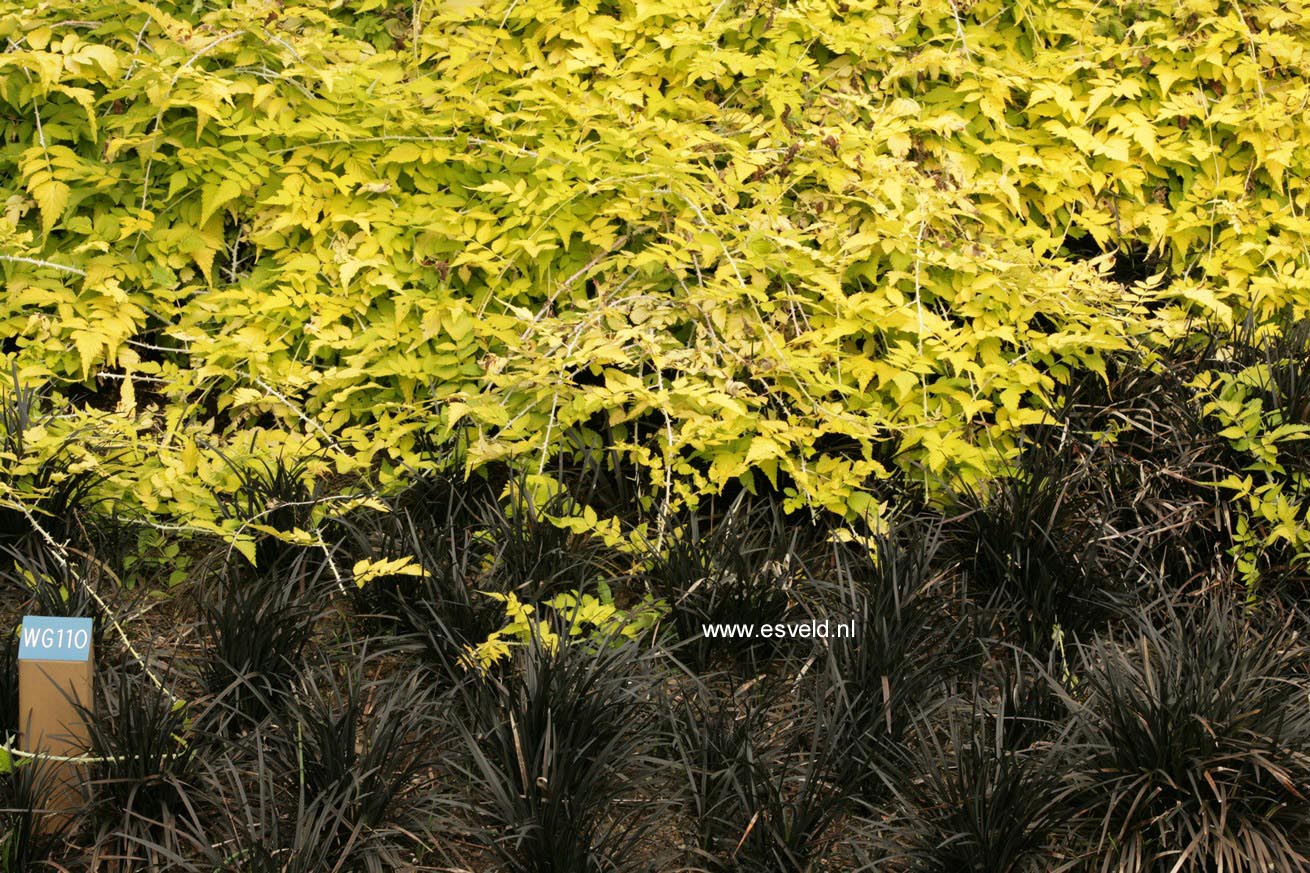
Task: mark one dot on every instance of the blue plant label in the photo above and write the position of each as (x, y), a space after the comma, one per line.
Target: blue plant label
(46, 638)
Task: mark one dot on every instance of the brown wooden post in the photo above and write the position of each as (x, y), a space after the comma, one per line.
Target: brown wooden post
(55, 661)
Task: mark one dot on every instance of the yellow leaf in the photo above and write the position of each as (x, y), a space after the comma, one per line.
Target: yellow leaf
(365, 571)
(214, 196)
(101, 55)
(88, 345)
(127, 395)
(762, 448)
(1207, 300)
(246, 546)
(51, 197)
(898, 143)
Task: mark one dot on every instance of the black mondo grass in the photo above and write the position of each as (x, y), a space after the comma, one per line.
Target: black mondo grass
(973, 802)
(1033, 551)
(364, 748)
(1034, 702)
(441, 610)
(272, 494)
(532, 555)
(30, 839)
(763, 788)
(434, 519)
(442, 494)
(1194, 746)
(715, 743)
(57, 584)
(245, 821)
(596, 470)
(1286, 387)
(257, 624)
(1157, 458)
(1273, 359)
(143, 766)
(903, 653)
(739, 570)
(9, 717)
(558, 757)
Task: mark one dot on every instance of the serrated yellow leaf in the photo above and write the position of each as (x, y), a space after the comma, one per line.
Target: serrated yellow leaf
(366, 571)
(213, 196)
(899, 143)
(51, 198)
(89, 345)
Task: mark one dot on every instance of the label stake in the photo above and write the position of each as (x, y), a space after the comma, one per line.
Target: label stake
(55, 661)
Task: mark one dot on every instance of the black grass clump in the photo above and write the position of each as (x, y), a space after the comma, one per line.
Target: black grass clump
(533, 556)
(54, 499)
(1033, 551)
(1196, 745)
(57, 584)
(742, 569)
(365, 749)
(257, 623)
(716, 741)
(244, 820)
(30, 839)
(17, 407)
(1141, 429)
(274, 494)
(144, 768)
(904, 650)
(434, 518)
(763, 786)
(1034, 702)
(974, 803)
(442, 494)
(442, 610)
(558, 754)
